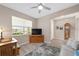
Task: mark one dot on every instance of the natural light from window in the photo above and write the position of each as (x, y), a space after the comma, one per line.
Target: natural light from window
(21, 26)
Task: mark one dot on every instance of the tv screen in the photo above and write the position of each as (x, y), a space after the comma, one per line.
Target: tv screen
(36, 31)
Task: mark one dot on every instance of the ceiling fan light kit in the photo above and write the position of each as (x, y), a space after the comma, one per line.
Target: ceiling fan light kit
(40, 7)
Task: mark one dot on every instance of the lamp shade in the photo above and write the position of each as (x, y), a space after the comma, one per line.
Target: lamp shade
(1, 29)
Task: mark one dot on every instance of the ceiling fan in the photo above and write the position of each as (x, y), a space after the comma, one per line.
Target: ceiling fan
(41, 6)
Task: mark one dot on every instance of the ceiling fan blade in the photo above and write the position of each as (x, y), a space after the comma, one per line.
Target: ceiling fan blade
(34, 7)
(46, 7)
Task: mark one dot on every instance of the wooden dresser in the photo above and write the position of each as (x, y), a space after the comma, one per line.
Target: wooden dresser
(36, 38)
(6, 48)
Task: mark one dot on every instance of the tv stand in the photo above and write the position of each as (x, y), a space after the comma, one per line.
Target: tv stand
(36, 38)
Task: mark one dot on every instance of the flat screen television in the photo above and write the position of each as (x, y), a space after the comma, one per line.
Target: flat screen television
(36, 31)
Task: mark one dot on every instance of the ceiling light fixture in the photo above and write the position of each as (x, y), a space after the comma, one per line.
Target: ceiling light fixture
(40, 7)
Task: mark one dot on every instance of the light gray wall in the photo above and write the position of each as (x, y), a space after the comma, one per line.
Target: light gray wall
(44, 22)
(59, 34)
(6, 19)
(45, 25)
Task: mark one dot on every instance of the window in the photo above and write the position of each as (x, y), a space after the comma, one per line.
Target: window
(21, 26)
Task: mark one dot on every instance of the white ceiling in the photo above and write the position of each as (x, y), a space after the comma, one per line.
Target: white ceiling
(26, 8)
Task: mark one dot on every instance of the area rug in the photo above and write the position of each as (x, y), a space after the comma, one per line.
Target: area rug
(45, 50)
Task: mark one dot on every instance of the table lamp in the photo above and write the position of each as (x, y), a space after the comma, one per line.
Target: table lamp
(1, 32)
